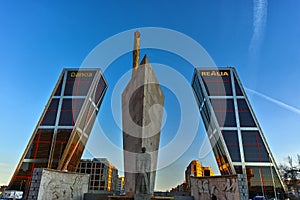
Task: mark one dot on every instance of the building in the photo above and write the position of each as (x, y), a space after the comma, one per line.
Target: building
(62, 131)
(181, 188)
(141, 119)
(235, 135)
(121, 184)
(195, 169)
(103, 174)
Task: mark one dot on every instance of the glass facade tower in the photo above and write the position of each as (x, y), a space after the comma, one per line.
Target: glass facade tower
(62, 132)
(235, 135)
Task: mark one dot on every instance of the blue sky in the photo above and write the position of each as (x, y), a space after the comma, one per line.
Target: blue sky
(260, 38)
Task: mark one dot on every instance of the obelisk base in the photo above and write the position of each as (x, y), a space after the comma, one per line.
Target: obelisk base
(142, 197)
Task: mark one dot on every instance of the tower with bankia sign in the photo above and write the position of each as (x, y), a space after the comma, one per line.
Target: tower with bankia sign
(235, 135)
(61, 134)
(142, 108)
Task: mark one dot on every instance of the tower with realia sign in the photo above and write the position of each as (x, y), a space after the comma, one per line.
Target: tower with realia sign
(235, 135)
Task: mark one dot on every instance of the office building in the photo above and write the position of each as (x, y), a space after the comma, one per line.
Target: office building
(103, 174)
(62, 131)
(235, 135)
(121, 184)
(195, 169)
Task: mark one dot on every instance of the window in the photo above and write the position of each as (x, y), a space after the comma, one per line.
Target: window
(206, 115)
(254, 149)
(41, 145)
(78, 85)
(262, 180)
(238, 91)
(58, 90)
(224, 111)
(206, 172)
(246, 119)
(238, 169)
(62, 138)
(70, 111)
(50, 115)
(232, 143)
(197, 89)
(218, 85)
(99, 90)
(221, 158)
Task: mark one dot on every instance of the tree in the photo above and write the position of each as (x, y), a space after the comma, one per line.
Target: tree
(291, 174)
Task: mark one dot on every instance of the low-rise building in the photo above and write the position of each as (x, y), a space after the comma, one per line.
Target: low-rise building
(195, 169)
(121, 184)
(103, 174)
(179, 188)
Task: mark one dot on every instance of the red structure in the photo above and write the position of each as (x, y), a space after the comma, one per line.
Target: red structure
(62, 132)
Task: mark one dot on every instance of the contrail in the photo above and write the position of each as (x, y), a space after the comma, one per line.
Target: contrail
(281, 104)
(259, 22)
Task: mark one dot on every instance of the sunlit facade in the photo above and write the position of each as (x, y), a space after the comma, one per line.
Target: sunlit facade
(236, 138)
(195, 169)
(62, 132)
(103, 174)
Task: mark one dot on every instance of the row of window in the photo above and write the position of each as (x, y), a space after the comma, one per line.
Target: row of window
(225, 113)
(76, 85)
(224, 109)
(90, 171)
(261, 181)
(68, 115)
(91, 165)
(42, 142)
(254, 148)
(221, 85)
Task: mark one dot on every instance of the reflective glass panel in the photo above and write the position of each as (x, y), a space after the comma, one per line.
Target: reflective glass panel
(254, 148)
(232, 143)
(246, 119)
(224, 111)
(217, 82)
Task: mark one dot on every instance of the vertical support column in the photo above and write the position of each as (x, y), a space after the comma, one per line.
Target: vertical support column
(236, 109)
(50, 160)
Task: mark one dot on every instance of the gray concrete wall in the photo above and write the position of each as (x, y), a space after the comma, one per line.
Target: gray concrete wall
(232, 187)
(61, 185)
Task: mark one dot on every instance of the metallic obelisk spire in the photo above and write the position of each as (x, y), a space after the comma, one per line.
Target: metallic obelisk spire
(136, 51)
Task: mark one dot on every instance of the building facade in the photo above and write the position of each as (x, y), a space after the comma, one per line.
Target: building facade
(121, 185)
(62, 131)
(235, 135)
(195, 169)
(103, 174)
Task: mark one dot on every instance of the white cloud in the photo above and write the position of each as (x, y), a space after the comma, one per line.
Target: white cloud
(259, 23)
(279, 103)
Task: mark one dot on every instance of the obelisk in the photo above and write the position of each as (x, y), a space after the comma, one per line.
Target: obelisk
(142, 108)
